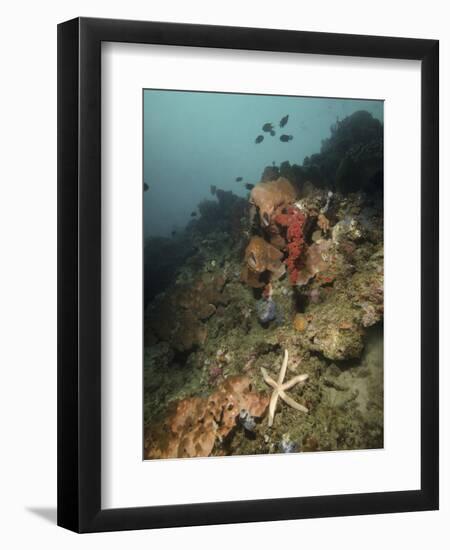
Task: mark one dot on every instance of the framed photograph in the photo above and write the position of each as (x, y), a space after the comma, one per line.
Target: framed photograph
(248, 275)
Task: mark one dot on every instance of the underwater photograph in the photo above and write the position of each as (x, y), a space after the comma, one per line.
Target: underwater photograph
(263, 274)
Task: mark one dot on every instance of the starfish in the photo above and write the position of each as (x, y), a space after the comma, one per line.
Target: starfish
(280, 388)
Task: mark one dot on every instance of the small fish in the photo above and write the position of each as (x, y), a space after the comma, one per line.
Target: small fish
(267, 127)
(285, 137)
(272, 133)
(213, 189)
(239, 178)
(146, 186)
(259, 139)
(283, 121)
(193, 214)
(249, 186)
(173, 233)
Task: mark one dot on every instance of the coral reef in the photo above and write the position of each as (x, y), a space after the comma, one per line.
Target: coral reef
(294, 173)
(261, 257)
(224, 214)
(270, 195)
(266, 310)
(351, 159)
(170, 255)
(193, 425)
(335, 327)
(321, 260)
(334, 332)
(177, 317)
(270, 173)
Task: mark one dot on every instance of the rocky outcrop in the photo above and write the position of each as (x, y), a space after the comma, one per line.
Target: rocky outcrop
(193, 425)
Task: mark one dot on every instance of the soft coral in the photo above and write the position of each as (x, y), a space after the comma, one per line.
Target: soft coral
(294, 221)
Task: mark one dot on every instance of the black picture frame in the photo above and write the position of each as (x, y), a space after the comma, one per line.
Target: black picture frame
(79, 274)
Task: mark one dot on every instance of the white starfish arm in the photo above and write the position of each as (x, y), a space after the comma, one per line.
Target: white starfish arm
(283, 368)
(300, 379)
(268, 380)
(272, 407)
(291, 402)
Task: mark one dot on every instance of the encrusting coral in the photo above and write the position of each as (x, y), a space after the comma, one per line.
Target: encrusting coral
(280, 388)
(268, 196)
(261, 256)
(193, 425)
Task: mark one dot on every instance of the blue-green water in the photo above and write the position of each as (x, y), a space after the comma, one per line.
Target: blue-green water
(257, 251)
(193, 140)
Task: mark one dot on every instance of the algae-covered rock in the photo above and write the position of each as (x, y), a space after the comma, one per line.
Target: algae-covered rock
(178, 316)
(163, 257)
(332, 329)
(351, 159)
